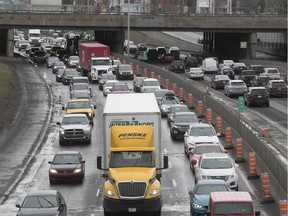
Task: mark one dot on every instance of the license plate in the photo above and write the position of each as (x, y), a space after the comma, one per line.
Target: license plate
(132, 210)
(259, 96)
(279, 88)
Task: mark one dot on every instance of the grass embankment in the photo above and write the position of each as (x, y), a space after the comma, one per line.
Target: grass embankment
(5, 93)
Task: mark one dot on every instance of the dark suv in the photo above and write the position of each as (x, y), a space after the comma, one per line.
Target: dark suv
(256, 96)
(247, 76)
(261, 80)
(177, 66)
(190, 61)
(277, 88)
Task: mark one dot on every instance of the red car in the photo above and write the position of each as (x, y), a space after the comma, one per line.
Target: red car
(199, 149)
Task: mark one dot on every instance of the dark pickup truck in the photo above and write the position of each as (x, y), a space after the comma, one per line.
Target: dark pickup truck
(247, 76)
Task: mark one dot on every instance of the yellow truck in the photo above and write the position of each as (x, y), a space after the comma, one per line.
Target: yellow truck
(132, 183)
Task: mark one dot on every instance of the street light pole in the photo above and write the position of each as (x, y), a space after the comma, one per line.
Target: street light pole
(128, 30)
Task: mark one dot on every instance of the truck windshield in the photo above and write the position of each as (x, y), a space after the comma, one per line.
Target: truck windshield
(231, 208)
(101, 62)
(132, 159)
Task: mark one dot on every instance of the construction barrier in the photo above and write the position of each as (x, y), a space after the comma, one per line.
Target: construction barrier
(283, 207)
(206, 91)
(190, 101)
(228, 138)
(137, 70)
(159, 80)
(145, 73)
(252, 166)
(167, 84)
(239, 151)
(267, 198)
(265, 132)
(219, 126)
(209, 115)
(174, 88)
(200, 109)
(152, 74)
(181, 94)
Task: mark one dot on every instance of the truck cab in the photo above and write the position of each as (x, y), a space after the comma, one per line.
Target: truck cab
(132, 183)
(99, 65)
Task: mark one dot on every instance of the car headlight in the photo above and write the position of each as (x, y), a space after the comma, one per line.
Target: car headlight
(86, 130)
(154, 192)
(89, 114)
(78, 170)
(110, 192)
(62, 132)
(53, 171)
(195, 205)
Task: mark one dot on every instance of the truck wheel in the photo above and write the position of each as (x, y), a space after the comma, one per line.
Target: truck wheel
(107, 213)
(88, 141)
(61, 142)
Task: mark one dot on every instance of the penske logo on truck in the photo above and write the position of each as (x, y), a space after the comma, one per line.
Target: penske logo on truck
(132, 136)
(129, 123)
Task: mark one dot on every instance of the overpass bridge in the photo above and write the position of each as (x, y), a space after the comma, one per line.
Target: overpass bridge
(223, 33)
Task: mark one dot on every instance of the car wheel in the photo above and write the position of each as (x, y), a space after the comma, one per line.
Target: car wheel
(157, 213)
(89, 141)
(248, 103)
(172, 136)
(267, 104)
(107, 213)
(228, 95)
(61, 142)
(51, 181)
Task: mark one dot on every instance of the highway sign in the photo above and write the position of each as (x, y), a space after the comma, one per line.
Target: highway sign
(240, 104)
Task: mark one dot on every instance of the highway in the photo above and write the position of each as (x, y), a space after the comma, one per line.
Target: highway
(85, 199)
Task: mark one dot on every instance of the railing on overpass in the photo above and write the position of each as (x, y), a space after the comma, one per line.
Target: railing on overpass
(166, 9)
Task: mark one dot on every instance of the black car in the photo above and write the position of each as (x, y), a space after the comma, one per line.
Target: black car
(152, 54)
(175, 109)
(247, 76)
(180, 123)
(177, 66)
(67, 75)
(277, 88)
(190, 61)
(50, 60)
(43, 202)
(58, 75)
(258, 68)
(237, 67)
(227, 71)
(39, 56)
(256, 96)
(219, 81)
(104, 78)
(261, 80)
(137, 83)
(142, 46)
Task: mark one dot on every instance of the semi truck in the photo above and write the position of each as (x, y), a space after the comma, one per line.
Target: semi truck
(34, 36)
(132, 156)
(94, 59)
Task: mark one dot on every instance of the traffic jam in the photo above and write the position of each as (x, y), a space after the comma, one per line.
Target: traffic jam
(126, 140)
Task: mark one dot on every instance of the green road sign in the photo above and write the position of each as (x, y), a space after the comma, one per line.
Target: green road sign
(240, 104)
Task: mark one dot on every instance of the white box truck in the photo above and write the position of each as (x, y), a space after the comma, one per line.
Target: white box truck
(132, 109)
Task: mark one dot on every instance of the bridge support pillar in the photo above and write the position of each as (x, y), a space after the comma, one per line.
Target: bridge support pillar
(10, 43)
(114, 39)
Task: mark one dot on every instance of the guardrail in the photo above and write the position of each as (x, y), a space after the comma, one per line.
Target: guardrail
(164, 9)
(270, 159)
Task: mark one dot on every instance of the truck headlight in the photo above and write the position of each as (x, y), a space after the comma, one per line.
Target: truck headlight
(90, 114)
(110, 192)
(62, 132)
(154, 192)
(78, 170)
(53, 171)
(195, 205)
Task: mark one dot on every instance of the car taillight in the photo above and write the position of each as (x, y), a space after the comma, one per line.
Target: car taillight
(266, 94)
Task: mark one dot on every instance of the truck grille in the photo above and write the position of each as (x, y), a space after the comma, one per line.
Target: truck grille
(225, 178)
(132, 189)
(74, 133)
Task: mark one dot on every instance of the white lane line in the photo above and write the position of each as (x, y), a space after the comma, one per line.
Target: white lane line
(174, 182)
(170, 164)
(98, 192)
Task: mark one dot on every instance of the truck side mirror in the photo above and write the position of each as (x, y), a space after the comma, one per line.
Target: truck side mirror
(63, 108)
(166, 162)
(194, 162)
(257, 213)
(99, 162)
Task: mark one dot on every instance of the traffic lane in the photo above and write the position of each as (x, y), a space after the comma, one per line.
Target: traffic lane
(18, 143)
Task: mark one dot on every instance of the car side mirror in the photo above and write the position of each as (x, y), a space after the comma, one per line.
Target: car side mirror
(82, 162)
(190, 192)
(18, 205)
(225, 151)
(194, 162)
(191, 152)
(94, 106)
(257, 213)
(58, 123)
(63, 108)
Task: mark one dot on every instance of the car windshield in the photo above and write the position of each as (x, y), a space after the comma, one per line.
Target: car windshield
(107, 77)
(186, 119)
(222, 77)
(74, 58)
(39, 201)
(233, 208)
(170, 100)
(238, 84)
(74, 120)
(81, 80)
(80, 87)
(179, 109)
(66, 159)
(59, 63)
(216, 163)
(151, 83)
(120, 88)
(245, 73)
(160, 93)
(202, 131)
(78, 104)
(81, 94)
(125, 67)
(207, 189)
(263, 79)
(132, 159)
(258, 91)
(273, 71)
(109, 84)
(206, 149)
(71, 72)
(278, 84)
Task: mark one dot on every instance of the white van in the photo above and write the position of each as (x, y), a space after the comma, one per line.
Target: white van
(210, 65)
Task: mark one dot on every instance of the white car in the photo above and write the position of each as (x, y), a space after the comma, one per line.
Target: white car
(217, 166)
(149, 83)
(235, 88)
(226, 63)
(272, 73)
(201, 133)
(107, 87)
(195, 73)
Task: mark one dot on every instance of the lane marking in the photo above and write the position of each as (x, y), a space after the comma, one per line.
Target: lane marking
(98, 192)
(174, 182)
